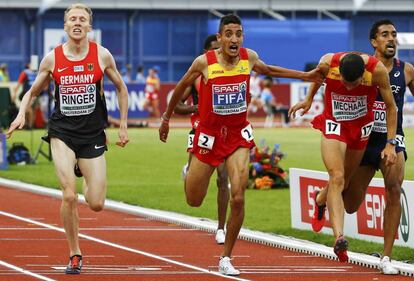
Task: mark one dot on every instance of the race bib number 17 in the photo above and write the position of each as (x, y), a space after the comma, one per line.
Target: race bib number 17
(332, 128)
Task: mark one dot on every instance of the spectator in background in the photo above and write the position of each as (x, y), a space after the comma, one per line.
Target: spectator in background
(255, 90)
(152, 88)
(24, 82)
(270, 106)
(140, 78)
(126, 74)
(4, 73)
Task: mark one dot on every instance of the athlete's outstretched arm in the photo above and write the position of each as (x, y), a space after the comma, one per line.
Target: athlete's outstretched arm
(306, 104)
(382, 80)
(122, 92)
(195, 70)
(181, 107)
(42, 78)
(276, 71)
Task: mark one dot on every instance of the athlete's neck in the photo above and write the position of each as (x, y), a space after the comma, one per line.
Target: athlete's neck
(76, 50)
(227, 61)
(388, 62)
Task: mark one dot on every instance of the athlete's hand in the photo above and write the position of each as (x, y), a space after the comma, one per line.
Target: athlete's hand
(164, 128)
(389, 154)
(18, 123)
(303, 105)
(315, 75)
(123, 135)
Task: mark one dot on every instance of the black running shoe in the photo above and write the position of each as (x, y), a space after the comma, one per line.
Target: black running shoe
(75, 265)
(77, 171)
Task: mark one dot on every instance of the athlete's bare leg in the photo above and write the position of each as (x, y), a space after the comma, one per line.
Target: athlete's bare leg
(237, 166)
(155, 108)
(64, 160)
(393, 178)
(222, 195)
(354, 195)
(94, 184)
(196, 182)
(340, 163)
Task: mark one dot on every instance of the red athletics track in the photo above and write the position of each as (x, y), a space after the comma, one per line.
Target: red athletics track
(125, 247)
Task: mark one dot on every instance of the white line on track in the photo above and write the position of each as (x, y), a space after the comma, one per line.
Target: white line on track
(298, 256)
(24, 271)
(30, 256)
(114, 245)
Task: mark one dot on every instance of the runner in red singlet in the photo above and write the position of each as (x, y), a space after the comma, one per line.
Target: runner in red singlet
(352, 81)
(210, 43)
(223, 134)
(152, 88)
(76, 127)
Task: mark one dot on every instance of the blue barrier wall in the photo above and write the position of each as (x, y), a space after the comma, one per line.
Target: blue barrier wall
(172, 39)
(292, 44)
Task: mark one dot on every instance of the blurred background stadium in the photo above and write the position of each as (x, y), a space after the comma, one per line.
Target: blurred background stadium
(169, 33)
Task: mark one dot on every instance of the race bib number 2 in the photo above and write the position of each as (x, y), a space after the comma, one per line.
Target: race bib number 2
(247, 133)
(205, 141)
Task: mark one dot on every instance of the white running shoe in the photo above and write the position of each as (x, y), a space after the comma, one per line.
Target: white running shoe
(226, 268)
(220, 236)
(184, 171)
(386, 266)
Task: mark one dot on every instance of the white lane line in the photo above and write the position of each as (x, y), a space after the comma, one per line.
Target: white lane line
(114, 245)
(99, 256)
(99, 229)
(24, 271)
(307, 256)
(134, 229)
(30, 256)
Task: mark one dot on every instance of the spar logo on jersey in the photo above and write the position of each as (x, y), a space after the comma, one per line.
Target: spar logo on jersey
(229, 98)
(77, 100)
(405, 217)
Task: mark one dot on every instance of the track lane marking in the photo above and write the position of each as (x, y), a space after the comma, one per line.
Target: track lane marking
(114, 245)
(24, 271)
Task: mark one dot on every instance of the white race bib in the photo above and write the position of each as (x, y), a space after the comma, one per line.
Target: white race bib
(366, 130)
(380, 117)
(247, 133)
(77, 100)
(332, 128)
(190, 141)
(400, 140)
(345, 108)
(205, 141)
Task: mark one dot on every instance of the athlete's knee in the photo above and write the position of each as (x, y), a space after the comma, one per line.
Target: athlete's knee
(96, 205)
(193, 201)
(237, 202)
(350, 208)
(336, 179)
(222, 183)
(69, 197)
(393, 195)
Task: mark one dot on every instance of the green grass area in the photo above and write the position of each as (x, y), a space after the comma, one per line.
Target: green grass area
(147, 173)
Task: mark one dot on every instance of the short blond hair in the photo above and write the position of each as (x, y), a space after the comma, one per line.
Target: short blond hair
(79, 6)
